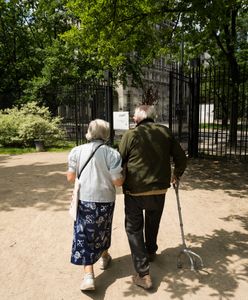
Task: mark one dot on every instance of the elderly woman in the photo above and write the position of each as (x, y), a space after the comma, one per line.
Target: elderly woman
(92, 228)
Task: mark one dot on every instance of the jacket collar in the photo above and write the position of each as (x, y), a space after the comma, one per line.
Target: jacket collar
(147, 120)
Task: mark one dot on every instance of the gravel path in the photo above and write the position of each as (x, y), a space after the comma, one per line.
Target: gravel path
(36, 232)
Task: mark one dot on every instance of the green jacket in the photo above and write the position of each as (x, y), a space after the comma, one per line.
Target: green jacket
(146, 151)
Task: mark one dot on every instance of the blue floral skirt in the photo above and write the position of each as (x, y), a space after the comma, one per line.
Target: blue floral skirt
(92, 232)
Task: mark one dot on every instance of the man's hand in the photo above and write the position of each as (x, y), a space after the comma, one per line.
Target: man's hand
(175, 180)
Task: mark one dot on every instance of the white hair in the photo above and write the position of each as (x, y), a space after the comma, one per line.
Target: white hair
(98, 129)
(143, 112)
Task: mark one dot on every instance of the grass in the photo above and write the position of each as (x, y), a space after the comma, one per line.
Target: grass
(220, 127)
(59, 147)
(14, 150)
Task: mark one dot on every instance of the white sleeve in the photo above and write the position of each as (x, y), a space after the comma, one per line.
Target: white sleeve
(115, 162)
(73, 160)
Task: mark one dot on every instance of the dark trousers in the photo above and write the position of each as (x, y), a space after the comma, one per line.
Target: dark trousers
(142, 219)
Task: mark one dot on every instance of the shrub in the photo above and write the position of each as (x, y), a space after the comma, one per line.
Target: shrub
(21, 127)
(9, 126)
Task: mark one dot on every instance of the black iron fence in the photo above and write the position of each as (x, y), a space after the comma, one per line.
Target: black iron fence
(180, 98)
(223, 113)
(206, 109)
(81, 103)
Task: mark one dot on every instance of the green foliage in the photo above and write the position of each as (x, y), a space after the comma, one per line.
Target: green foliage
(21, 127)
(122, 35)
(9, 126)
(32, 57)
(217, 27)
(43, 43)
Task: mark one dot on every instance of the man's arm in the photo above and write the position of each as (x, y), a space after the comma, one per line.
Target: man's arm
(179, 159)
(118, 181)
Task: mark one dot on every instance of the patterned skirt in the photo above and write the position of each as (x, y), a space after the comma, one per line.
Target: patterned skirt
(92, 232)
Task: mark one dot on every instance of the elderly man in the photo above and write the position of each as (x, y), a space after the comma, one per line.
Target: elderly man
(146, 153)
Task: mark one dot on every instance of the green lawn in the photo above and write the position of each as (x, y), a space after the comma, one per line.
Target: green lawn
(62, 146)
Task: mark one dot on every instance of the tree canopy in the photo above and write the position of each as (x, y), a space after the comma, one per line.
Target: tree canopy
(43, 43)
(116, 32)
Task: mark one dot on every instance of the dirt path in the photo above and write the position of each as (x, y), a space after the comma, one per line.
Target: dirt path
(35, 235)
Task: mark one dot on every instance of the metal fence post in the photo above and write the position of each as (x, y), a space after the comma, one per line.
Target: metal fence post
(170, 100)
(76, 113)
(109, 78)
(194, 118)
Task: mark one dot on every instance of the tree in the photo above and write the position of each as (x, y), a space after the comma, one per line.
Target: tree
(112, 32)
(44, 43)
(18, 60)
(30, 48)
(220, 28)
(122, 34)
(119, 35)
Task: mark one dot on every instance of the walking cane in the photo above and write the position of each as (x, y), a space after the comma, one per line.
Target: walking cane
(185, 251)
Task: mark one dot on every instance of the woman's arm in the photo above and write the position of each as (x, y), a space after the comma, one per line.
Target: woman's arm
(72, 164)
(71, 176)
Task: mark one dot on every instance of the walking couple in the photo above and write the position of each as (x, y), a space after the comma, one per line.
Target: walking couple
(142, 166)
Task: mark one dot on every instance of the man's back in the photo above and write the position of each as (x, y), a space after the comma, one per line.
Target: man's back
(147, 150)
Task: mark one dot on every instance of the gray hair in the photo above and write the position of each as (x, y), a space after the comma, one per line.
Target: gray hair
(145, 111)
(98, 129)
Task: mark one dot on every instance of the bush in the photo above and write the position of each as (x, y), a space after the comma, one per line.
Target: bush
(21, 127)
(9, 126)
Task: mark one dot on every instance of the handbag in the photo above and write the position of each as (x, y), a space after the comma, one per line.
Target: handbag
(75, 193)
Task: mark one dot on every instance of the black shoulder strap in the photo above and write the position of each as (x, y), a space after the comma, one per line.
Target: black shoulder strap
(79, 174)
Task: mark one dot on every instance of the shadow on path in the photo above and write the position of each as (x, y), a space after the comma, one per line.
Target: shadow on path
(232, 177)
(39, 185)
(223, 254)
